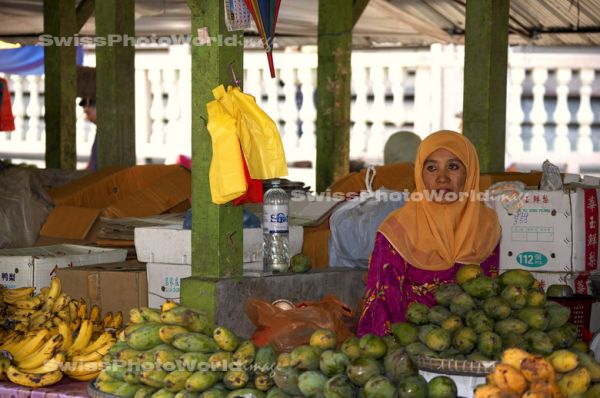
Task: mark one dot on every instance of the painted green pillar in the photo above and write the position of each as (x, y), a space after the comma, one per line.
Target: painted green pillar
(216, 230)
(115, 83)
(60, 85)
(336, 20)
(486, 64)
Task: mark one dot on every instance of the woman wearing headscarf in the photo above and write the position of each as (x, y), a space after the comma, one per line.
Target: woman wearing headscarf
(422, 244)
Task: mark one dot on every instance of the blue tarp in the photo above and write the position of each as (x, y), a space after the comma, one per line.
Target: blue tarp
(28, 60)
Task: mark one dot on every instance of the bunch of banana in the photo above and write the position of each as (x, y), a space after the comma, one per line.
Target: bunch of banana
(54, 334)
(85, 354)
(36, 359)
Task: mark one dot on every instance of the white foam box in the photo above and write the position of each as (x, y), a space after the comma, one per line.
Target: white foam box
(34, 266)
(164, 280)
(538, 237)
(172, 244)
(586, 229)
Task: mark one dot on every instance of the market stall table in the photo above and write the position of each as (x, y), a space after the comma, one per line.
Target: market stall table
(65, 388)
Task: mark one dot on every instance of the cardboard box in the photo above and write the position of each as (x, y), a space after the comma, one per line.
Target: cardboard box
(33, 266)
(114, 287)
(172, 244)
(116, 193)
(538, 237)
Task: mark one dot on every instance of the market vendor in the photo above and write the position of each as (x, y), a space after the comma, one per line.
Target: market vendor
(423, 243)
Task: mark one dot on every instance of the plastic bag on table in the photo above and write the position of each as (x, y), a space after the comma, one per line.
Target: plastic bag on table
(287, 329)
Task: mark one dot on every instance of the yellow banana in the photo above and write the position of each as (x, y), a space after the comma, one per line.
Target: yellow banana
(82, 309)
(33, 380)
(117, 320)
(50, 365)
(95, 314)
(107, 320)
(32, 344)
(65, 332)
(95, 355)
(48, 304)
(38, 319)
(75, 370)
(39, 357)
(18, 293)
(4, 365)
(73, 305)
(83, 338)
(64, 314)
(60, 302)
(84, 376)
(13, 342)
(55, 288)
(75, 324)
(44, 292)
(98, 343)
(13, 311)
(30, 303)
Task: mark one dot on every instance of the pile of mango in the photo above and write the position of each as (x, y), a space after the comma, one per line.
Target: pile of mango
(478, 317)
(175, 353)
(565, 374)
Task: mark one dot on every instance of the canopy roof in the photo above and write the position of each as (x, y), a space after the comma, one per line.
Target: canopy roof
(384, 23)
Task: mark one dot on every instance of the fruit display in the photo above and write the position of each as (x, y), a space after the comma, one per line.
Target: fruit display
(175, 353)
(48, 335)
(565, 373)
(478, 317)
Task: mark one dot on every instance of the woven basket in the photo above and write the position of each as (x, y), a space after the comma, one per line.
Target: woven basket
(457, 367)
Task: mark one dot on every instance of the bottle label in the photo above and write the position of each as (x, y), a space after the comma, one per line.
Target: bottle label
(275, 218)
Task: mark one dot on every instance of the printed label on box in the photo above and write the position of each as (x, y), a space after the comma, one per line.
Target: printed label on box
(538, 237)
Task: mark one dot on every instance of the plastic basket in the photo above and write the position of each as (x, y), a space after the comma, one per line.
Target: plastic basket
(581, 313)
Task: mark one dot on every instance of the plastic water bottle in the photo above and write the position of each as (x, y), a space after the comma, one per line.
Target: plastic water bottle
(276, 252)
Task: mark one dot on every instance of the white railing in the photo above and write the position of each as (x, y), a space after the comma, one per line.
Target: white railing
(552, 111)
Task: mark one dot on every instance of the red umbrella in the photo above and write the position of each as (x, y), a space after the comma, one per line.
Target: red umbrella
(264, 13)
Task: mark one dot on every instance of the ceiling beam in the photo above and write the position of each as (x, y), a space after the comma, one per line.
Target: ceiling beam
(84, 11)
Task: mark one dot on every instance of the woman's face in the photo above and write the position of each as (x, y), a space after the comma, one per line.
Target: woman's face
(444, 173)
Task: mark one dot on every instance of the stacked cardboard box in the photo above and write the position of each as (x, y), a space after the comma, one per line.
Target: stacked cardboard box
(34, 266)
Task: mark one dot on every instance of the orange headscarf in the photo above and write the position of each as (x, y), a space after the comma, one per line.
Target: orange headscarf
(434, 236)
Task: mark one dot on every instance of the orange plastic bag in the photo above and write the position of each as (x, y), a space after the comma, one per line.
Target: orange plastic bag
(287, 329)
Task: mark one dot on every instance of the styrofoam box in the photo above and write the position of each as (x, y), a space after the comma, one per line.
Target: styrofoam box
(164, 280)
(33, 266)
(172, 244)
(538, 237)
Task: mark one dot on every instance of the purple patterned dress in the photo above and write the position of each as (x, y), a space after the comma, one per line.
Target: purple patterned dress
(393, 284)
